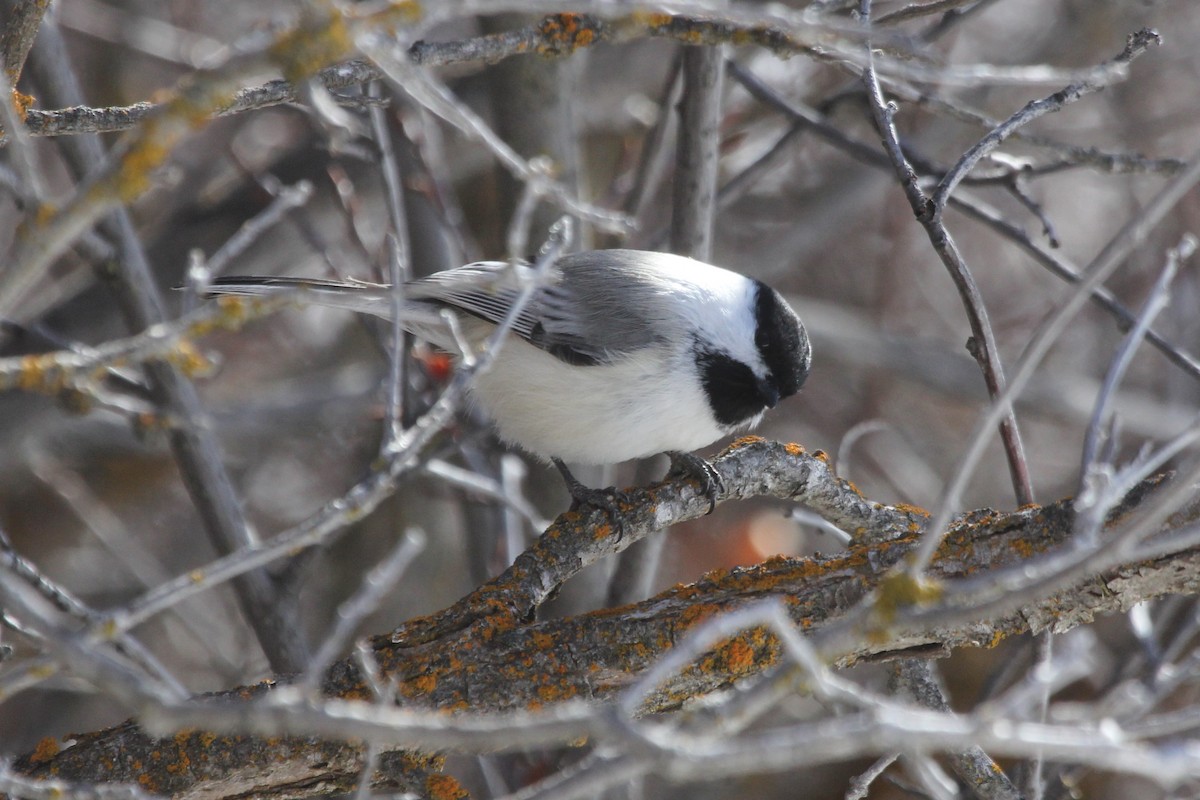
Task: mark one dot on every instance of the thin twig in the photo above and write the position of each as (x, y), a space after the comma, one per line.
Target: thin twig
(1114, 253)
(919, 681)
(969, 205)
(1064, 269)
(650, 161)
(860, 785)
(983, 342)
(399, 267)
(375, 585)
(361, 499)
(1136, 44)
(1156, 301)
(917, 10)
(195, 448)
(431, 93)
(285, 200)
(30, 185)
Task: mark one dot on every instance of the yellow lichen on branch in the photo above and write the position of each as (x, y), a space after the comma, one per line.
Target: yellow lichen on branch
(319, 41)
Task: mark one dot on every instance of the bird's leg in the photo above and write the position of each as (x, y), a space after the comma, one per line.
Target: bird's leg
(690, 465)
(607, 499)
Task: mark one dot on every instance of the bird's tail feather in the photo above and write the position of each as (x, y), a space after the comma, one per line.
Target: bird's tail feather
(420, 318)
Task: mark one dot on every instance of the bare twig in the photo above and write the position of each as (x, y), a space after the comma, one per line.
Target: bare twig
(125, 646)
(917, 10)
(437, 97)
(860, 786)
(195, 448)
(399, 267)
(971, 206)
(285, 200)
(29, 185)
(983, 342)
(377, 583)
(693, 213)
(918, 680)
(1061, 267)
(403, 456)
(1131, 235)
(1156, 301)
(651, 162)
(1136, 44)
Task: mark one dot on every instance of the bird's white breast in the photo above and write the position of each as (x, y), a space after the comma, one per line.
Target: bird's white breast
(597, 414)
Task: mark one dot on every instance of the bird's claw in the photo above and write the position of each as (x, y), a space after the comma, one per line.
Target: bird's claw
(610, 499)
(690, 465)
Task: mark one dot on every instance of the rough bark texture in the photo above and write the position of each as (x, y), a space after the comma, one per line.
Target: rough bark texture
(482, 655)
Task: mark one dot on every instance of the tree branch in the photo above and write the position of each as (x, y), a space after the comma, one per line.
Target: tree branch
(484, 654)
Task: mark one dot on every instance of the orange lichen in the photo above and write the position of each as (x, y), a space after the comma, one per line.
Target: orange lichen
(738, 656)
(714, 576)
(185, 763)
(793, 449)
(235, 313)
(23, 102)
(424, 683)
(564, 33)
(822, 456)
(697, 613)
(45, 750)
(912, 510)
(602, 532)
(443, 787)
(556, 693)
(1023, 547)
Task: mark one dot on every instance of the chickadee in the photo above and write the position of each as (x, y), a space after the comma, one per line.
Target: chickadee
(619, 354)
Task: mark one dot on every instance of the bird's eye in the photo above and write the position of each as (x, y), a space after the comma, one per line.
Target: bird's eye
(761, 340)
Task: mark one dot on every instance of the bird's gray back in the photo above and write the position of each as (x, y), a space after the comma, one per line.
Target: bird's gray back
(594, 307)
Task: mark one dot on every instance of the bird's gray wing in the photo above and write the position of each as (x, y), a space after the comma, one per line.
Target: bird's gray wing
(593, 308)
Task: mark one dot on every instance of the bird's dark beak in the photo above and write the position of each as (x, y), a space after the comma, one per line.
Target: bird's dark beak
(768, 393)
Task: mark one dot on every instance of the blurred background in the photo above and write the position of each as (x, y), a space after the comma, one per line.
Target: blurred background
(297, 400)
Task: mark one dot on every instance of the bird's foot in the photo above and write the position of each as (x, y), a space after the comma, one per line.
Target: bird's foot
(609, 499)
(690, 465)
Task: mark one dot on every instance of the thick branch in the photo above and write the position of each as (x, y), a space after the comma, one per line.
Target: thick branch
(482, 655)
(557, 34)
(24, 18)
(695, 190)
